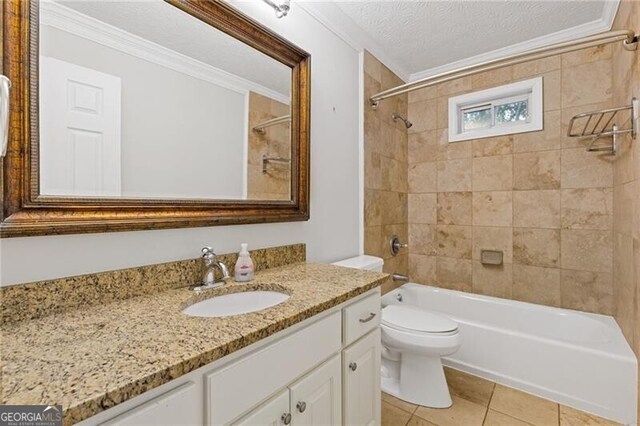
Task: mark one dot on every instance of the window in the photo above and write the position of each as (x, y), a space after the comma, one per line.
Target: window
(513, 108)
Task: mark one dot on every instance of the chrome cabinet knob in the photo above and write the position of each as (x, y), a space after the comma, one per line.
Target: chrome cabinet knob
(286, 418)
(353, 366)
(301, 406)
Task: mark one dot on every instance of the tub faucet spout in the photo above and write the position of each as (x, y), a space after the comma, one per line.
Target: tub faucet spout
(400, 277)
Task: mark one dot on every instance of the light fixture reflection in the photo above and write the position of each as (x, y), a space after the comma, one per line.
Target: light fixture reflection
(281, 7)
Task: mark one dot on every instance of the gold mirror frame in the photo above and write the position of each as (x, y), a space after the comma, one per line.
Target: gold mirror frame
(25, 213)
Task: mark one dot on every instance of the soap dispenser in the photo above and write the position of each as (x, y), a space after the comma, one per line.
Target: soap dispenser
(244, 265)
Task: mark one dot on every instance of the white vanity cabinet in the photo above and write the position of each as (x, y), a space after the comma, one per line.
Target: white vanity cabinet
(361, 362)
(314, 400)
(177, 406)
(274, 412)
(361, 387)
(239, 386)
(323, 371)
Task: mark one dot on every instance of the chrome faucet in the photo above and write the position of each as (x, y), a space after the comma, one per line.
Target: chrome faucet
(210, 263)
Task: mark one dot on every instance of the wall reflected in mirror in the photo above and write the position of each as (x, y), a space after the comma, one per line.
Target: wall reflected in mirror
(142, 100)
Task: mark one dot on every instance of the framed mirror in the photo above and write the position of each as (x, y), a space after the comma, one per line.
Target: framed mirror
(148, 115)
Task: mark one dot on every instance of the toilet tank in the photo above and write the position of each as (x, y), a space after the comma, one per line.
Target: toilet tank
(369, 263)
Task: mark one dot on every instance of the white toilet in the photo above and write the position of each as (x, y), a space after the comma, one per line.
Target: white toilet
(413, 342)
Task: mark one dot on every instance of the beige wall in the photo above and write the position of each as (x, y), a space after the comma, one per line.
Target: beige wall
(385, 171)
(626, 192)
(539, 197)
(275, 142)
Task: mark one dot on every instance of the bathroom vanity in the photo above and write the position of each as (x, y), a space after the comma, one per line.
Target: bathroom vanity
(312, 359)
(318, 372)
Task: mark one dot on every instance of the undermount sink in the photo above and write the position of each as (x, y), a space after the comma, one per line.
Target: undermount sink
(236, 303)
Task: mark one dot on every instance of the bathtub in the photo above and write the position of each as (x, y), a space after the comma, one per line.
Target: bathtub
(577, 359)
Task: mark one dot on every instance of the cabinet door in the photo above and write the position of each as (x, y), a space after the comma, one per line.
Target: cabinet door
(361, 381)
(316, 398)
(273, 412)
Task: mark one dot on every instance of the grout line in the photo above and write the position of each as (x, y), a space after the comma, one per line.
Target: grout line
(395, 406)
(513, 417)
(408, 420)
(558, 406)
(560, 263)
(486, 413)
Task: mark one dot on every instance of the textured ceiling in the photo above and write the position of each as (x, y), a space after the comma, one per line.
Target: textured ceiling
(424, 34)
(168, 26)
(416, 35)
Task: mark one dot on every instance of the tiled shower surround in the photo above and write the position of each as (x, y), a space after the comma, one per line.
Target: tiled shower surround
(385, 150)
(539, 197)
(567, 221)
(626, 191)
(275, 184)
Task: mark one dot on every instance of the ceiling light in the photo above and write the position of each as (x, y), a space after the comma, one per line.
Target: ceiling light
(280, 6)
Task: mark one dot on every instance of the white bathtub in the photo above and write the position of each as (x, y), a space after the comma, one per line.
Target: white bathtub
(577, 359)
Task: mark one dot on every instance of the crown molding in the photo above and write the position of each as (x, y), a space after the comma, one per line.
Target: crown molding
(579, 31)
(609, 12)
(330, 15)
(336, 21)
(66, 19)
(573, 33)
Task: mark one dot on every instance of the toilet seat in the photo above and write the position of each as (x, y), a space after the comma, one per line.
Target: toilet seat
(417, 321)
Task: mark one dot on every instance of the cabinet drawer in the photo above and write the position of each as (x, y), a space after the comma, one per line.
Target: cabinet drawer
(234, 389)
(361, 317)
(177, 407)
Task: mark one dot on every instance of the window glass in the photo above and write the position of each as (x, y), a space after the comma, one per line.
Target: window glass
(502, 110)
(512, 112)
(476, 119)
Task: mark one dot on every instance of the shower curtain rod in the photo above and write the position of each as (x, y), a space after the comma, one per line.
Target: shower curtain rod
(259, 128)
(628, 37)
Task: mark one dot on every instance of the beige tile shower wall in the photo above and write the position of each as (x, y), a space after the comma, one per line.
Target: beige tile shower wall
(385, 172)
(626, 191)
(538, 197)
(275, 184)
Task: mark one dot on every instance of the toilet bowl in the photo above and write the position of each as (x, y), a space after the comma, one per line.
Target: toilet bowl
(414, 341)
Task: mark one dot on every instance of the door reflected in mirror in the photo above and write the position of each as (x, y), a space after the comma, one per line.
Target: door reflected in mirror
(140, 100)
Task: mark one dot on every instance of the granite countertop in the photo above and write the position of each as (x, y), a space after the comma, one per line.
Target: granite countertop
(90, 359)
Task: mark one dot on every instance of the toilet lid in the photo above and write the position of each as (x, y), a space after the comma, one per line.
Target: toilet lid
(416, 319)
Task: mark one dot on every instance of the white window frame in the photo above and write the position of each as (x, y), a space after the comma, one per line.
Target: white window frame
(527, 89)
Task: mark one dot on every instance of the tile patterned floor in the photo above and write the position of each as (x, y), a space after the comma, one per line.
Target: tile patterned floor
(479, 402)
